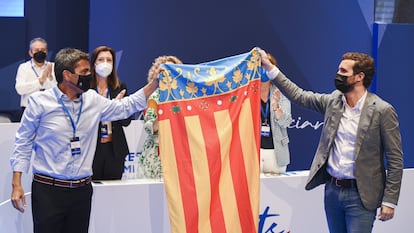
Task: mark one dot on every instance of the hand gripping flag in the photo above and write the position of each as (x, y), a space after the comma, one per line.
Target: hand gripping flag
(209, 140)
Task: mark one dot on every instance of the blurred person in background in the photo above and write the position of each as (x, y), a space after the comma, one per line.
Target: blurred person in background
(37, 74)
(276, 117)
(149, 162)
(112, 147)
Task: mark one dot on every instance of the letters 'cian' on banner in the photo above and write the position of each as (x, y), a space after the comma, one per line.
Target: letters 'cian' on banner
(209, 140)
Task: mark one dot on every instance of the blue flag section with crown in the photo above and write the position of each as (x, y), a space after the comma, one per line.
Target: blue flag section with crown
(183, 81)
(209, 141)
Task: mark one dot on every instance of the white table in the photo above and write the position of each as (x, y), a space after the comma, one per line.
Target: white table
(132, 206)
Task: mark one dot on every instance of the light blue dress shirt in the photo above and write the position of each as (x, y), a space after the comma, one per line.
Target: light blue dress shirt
(45, 131)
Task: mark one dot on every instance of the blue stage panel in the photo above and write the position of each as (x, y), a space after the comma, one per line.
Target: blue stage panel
(395, 80)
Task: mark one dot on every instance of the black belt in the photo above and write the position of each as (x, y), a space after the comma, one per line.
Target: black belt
(343, 183)
(62, 183)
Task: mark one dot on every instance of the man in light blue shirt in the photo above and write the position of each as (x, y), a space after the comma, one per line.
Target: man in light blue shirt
(60, 127)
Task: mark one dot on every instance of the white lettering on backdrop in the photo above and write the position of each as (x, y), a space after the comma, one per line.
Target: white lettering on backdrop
(299, 124)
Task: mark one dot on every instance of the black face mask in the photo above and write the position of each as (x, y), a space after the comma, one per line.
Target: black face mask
(342, 85)
(39, 57)
(84, 82)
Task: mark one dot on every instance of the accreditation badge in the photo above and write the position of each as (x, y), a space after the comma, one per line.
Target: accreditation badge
(75, 146)
(106, 129)
(265, 131)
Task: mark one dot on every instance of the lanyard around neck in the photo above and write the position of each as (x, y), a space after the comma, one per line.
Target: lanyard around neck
(34, 70)
(67, 111)
(265, 114)
(107, 92)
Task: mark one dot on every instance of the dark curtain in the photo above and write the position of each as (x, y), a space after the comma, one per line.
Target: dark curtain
(404, 11)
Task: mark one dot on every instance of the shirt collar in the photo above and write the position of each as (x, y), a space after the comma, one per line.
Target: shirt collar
(359, 104)
(64, 97)
(35, 65)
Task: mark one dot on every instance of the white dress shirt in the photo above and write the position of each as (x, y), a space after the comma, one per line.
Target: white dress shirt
(341, 162)
(46, 130)
(27, 80)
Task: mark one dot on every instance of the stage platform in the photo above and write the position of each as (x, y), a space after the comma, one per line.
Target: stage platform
(131, 206)
(139, 205)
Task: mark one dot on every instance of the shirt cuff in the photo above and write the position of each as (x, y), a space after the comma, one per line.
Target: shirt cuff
(389, 204)
(273, 73)
(142, 99)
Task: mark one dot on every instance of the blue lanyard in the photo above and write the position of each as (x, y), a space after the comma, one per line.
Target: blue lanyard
(31, 63)
(67, 111)
(265, 114)
(34, 70)
(107, 92)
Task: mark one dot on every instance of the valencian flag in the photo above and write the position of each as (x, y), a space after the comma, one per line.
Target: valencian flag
(209, 140)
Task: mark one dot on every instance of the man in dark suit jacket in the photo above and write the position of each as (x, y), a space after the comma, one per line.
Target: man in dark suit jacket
(360, 131)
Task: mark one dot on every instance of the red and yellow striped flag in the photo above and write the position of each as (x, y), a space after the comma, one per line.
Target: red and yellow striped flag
(209, 127)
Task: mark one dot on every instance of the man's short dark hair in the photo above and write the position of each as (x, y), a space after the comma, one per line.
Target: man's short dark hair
(67, 59)
(363, 63)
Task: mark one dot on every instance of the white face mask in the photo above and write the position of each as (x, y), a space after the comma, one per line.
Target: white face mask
(103, 69)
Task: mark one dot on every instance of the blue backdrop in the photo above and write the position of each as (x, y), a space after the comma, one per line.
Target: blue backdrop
(307, 37)
(394, 48)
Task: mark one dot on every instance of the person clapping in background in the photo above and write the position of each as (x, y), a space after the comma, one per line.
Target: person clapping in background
(274, 139)
(37, 74)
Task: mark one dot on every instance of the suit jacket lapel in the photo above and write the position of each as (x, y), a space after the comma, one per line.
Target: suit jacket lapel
(333, 120)
(364, 121)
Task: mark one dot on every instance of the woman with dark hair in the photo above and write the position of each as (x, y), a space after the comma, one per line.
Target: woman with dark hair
(112, 147)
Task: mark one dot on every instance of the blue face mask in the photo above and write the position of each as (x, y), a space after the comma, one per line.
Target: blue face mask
(264, 77)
